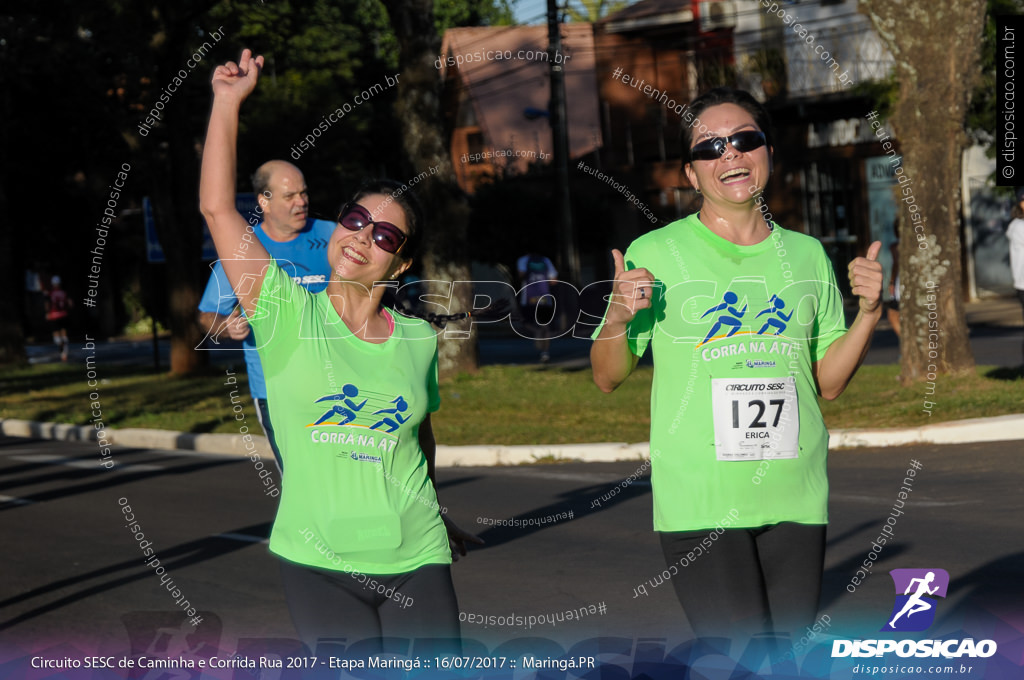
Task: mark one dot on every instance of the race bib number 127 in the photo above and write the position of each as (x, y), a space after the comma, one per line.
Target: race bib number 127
(755, 418)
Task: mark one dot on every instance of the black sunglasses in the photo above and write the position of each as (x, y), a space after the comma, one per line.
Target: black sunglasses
(387, 236)
(714, 148)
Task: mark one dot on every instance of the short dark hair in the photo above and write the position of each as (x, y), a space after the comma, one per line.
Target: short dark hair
(407, 201)
(261, 180)
(724, 95)
(1015, 211)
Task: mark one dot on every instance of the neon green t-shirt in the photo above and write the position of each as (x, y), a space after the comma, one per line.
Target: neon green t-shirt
(346, 414)
(735, 330)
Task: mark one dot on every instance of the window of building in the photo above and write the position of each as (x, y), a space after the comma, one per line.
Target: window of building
(828, 198)
(475, 146)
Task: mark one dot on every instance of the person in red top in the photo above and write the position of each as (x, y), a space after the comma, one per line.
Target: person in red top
(57, 306)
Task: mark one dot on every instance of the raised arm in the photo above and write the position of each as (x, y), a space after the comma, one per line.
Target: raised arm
(834, 371)
(232, 83)
(611, 359)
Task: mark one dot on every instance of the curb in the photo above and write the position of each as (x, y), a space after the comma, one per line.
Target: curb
(969, 431)
(973, 430)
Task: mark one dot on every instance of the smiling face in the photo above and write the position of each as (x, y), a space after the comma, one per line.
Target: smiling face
(735, 178)
(353, 254)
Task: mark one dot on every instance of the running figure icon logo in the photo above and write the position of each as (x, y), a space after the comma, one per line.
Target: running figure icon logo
(733, 317)
(914, 610)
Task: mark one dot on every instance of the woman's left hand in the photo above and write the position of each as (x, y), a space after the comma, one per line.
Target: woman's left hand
(457, 538)
(866, 279)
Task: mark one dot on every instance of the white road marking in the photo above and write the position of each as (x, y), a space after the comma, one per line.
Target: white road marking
(882, 501)
(11, 500)
(84, 464)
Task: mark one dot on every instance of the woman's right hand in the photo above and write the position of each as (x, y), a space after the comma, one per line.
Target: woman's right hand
(631, 291)
(235, 82)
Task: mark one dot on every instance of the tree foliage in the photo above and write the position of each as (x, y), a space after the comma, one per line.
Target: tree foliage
(589, 11)
(446, 255)
(454, 13)
(77, 80)
(981, 114)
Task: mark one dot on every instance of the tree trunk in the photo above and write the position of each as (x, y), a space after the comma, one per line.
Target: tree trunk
(12, 335)
(446, 254)
(12, 339)
(936, 46)
(175, 179)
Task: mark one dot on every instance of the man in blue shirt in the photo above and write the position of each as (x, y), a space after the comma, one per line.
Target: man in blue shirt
(298, 243)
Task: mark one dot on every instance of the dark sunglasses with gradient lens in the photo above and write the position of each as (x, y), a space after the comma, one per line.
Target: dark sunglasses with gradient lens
(387, 236)
(714, 148)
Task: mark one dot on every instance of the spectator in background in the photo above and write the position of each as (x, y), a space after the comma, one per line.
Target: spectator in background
(58, 304)
(296, 242)
(537, 276)
(893, 306)
(1015, 233)
(34, 312)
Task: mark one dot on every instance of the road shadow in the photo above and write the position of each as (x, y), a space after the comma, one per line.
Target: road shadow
(108, 479)
(578, 503)
(1007, 374)
(177, 557)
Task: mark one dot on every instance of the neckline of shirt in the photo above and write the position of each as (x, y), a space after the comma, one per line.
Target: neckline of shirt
(334, 319)
(725, 244)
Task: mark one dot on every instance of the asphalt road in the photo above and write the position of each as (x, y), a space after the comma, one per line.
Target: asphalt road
(73, 575)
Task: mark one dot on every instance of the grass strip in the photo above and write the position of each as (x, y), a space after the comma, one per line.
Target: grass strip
(496, 405)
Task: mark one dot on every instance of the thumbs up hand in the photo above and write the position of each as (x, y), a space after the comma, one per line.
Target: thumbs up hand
(866, 279)
(631, 291)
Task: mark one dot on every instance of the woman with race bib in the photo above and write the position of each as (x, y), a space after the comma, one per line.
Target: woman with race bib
(364, 550)
(746, 324)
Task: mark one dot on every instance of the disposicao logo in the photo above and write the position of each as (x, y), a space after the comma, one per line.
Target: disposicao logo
(912, 611)
(915, 611)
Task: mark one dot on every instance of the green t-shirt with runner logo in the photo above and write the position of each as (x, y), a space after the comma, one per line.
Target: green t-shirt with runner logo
(735, 330)
(346, 415)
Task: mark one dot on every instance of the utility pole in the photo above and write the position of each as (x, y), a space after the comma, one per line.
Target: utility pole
(569, 264)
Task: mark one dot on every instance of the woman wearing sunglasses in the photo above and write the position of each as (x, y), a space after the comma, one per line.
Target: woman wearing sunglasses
(364, 549)
(747, 328)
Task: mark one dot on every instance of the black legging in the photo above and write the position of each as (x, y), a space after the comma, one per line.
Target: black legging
(337, 605)
(750, 580)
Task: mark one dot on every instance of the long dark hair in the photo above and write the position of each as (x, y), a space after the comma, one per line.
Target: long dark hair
(1015, 209)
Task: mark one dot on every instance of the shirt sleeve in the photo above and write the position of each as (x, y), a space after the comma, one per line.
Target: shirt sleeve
(433, 393)
(1015, 231)
(640, 330)
(829, 321)
(218, 297)
(278, 307)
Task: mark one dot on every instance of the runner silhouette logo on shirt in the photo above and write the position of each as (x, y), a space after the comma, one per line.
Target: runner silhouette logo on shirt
(914, 608)
(727, 317)
(349, 407)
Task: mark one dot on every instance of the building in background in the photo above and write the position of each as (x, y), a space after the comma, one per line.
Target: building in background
(631, 75)
(496, 92)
